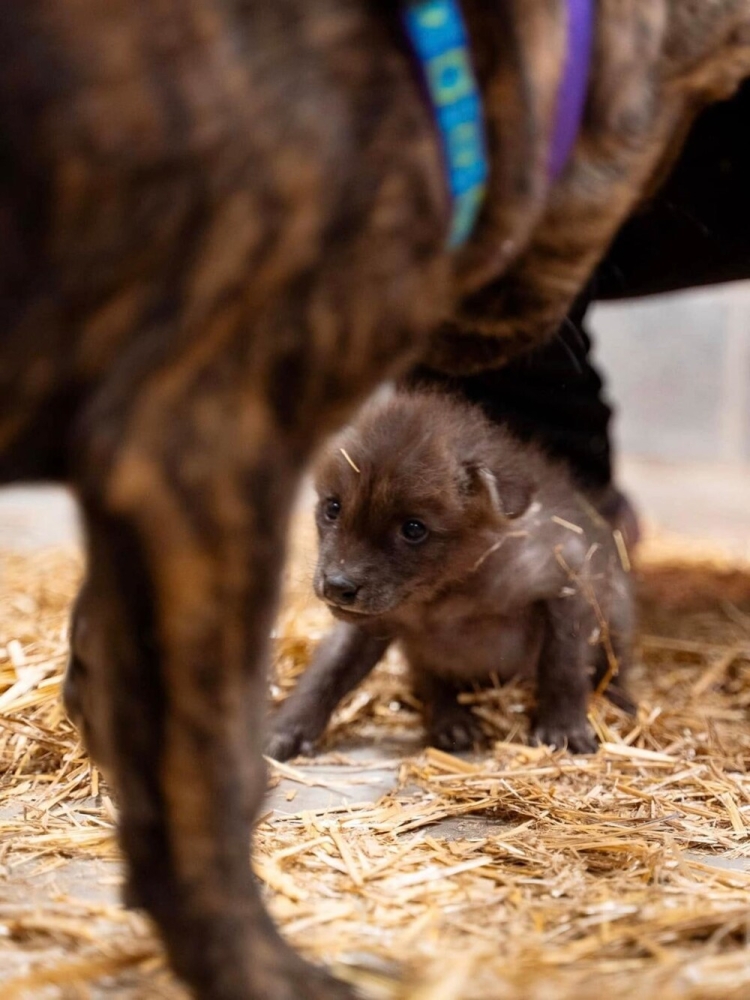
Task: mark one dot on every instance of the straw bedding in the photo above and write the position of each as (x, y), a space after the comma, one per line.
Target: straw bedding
(516, 873)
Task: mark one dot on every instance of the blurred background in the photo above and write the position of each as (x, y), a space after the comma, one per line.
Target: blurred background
(678, 371)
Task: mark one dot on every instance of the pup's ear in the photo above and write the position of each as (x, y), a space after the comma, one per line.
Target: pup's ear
(509, 495)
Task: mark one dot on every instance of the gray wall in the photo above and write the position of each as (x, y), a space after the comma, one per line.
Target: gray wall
(678, 369)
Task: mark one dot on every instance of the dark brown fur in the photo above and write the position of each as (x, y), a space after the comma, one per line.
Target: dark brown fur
(517, 574)
(222, 224)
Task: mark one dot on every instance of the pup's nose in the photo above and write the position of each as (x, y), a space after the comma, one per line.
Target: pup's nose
(339, 589)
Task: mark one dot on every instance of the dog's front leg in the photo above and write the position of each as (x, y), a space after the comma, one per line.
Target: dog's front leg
(185, 529)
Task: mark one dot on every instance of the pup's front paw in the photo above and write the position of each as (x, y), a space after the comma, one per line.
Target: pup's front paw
(577, 737)
(289, 738)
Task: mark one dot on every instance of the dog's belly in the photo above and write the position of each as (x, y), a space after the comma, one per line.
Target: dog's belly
(474, 648)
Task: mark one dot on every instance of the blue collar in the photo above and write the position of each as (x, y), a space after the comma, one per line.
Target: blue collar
(438, 36)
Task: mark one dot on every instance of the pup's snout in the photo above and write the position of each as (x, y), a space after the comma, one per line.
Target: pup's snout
(339, 589)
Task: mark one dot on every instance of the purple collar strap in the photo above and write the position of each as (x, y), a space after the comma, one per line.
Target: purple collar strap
(440, 42)
(571, 96)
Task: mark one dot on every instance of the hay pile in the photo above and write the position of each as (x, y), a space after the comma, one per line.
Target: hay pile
(573, 876)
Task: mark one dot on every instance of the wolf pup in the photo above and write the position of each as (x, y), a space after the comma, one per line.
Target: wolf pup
(441, 531)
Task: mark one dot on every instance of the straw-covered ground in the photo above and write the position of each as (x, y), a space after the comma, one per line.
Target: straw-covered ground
(591, 878)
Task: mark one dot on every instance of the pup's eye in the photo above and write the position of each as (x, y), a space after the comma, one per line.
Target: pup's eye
(331, 509)
(414, 531)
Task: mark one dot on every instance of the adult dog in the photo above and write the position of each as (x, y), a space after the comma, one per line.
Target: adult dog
(223, 222)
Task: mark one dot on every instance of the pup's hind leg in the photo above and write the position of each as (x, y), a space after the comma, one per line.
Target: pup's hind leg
(611, 678)
(450, 725)
(563, 683)
(185, 534)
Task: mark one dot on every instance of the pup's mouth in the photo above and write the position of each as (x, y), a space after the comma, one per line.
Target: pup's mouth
(349, 614)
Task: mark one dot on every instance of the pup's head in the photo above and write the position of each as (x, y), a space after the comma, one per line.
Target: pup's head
(410, 497)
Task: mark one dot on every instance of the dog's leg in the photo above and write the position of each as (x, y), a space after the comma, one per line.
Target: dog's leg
(80, 688)
(185, 529)
(563, 684)
(342, 660)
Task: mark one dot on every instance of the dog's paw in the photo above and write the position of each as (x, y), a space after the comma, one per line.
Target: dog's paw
(275, 971)
(313, 983)
(577, 738)
(271, 970)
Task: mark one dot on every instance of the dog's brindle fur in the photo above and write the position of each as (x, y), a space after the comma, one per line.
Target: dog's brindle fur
(511, 573)
(222, 223)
